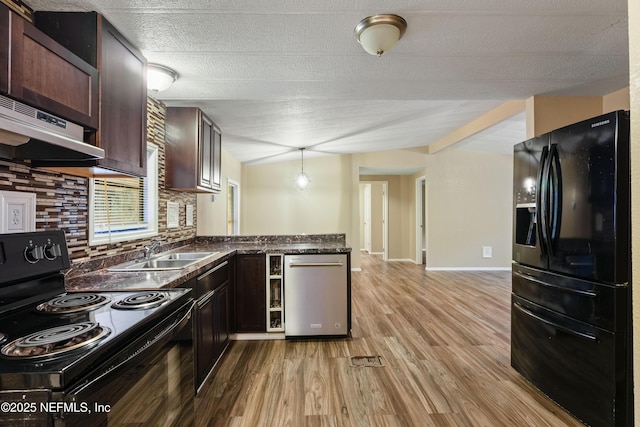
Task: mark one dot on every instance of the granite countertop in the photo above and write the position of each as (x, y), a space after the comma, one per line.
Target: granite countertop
(95, 276)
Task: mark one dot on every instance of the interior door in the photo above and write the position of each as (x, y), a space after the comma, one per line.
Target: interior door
(367, 217)
(589, 223)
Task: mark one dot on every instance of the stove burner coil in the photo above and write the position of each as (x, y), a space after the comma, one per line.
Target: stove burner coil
(141, 301)
(57, 340)
(73, 303)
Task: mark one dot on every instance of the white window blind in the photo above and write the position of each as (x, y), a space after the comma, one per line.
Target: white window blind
(119, 205)
(125, 208)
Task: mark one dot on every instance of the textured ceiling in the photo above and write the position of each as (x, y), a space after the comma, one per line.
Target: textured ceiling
(280, 75)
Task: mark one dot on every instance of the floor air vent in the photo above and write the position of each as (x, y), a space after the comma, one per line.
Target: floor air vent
(366, 361)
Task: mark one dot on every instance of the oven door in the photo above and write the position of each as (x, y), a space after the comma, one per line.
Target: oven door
(149, 383)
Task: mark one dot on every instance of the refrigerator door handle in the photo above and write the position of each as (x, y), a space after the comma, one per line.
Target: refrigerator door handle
(590, 294)
(554, 324)
(542, 200)
(555, 202)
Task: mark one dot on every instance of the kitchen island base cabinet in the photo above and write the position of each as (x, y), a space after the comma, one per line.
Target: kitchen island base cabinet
(250, 293)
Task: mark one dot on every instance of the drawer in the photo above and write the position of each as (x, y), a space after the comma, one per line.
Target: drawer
(575, 364)
(212, 279)
(604, 306)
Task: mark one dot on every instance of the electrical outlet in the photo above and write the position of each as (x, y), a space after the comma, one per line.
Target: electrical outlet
(487, 252)
(17, 212)
(16, 217)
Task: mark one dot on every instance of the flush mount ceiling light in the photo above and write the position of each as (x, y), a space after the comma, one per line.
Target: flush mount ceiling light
(159, 77)
(302, 179)
(379, 33)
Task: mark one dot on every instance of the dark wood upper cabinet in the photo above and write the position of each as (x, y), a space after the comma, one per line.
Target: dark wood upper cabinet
(193, 151)
(122, 128)
(38, 71)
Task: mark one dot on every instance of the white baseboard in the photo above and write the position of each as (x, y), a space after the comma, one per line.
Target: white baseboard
(257, 336)
(468, 268)
(356, 269)
(401, 260)
(376, 253)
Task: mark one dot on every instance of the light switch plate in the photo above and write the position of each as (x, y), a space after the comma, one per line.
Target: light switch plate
(17, 212)
(173, 214)
(189, 216)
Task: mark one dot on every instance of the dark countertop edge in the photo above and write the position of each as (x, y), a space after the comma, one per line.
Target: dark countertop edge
(104, 280)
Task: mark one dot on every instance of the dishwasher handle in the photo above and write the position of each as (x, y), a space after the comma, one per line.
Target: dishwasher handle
(316, 264)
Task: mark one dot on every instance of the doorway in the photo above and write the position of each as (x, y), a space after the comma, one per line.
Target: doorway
(421, 221)
(366, 217)
(373, 219)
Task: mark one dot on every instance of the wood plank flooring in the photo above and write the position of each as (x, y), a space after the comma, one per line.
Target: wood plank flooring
(444, 340)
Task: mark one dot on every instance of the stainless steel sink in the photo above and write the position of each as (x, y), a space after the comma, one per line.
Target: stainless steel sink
(179, 256)
(175, 261)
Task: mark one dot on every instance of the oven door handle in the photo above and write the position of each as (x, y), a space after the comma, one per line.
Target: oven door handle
(166, 331)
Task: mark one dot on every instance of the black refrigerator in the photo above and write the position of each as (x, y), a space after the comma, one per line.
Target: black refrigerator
(571, 301)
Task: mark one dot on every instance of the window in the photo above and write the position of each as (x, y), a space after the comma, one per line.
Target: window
(124, 209)
(233, 208)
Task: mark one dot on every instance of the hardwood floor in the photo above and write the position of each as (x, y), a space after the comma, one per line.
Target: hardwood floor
(444, 342)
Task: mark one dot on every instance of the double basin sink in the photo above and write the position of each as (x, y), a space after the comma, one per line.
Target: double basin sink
(175, 261)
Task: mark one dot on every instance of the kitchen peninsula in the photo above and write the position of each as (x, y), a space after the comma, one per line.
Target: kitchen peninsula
(94, 274)
(233, 286)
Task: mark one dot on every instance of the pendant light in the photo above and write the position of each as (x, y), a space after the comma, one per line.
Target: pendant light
(302, 179)
(379, 33)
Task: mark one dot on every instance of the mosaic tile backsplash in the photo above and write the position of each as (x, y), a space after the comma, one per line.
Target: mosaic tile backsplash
(62, 200)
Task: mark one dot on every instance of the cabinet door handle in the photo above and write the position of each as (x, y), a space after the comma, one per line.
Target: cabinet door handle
(213, 270)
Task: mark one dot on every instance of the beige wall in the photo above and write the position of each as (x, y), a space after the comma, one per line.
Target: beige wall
(634, 80)
(619, 100)
(469, 200)
(271, 204)
(546, 113)
(212, 211)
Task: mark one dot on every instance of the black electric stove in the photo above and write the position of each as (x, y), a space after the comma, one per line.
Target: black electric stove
(55, 341)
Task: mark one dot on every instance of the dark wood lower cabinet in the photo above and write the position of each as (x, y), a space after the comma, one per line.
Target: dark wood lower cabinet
(211, 320)
(250, 293)
(221, 335)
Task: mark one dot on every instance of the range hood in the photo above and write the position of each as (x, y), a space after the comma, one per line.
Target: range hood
(27, 133)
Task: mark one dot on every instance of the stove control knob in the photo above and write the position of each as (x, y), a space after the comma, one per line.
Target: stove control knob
(52, 251)
(33, 254)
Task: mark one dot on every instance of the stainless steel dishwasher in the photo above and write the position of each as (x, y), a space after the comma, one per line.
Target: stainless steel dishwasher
(317, 297)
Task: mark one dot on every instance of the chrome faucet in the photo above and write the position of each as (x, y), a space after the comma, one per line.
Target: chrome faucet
(148, 249)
